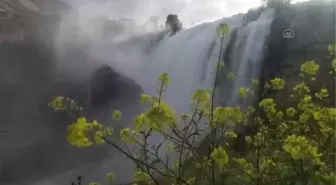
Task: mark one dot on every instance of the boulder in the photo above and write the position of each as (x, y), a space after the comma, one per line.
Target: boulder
(106, 85)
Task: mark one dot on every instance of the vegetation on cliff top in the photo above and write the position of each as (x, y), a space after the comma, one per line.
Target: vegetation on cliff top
(276, 3)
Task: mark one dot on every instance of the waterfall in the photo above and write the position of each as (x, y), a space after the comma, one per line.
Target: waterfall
(189, 57)
(247, 54)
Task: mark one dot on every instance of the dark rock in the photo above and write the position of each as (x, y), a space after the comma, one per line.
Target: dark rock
(227, 54)
(253, 14)
(33, 141)
(225, 85)
(314, 26)
(276, 51)
(106, 84)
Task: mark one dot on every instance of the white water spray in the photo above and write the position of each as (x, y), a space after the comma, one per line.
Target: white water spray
(248, 51)
(189, 58)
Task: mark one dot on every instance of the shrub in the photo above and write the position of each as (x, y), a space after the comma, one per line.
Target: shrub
(173, 23)
(276, 3)
(294, 144)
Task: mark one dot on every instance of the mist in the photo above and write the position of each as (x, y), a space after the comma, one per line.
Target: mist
(34, 137)
(82, 31)
(189, 11)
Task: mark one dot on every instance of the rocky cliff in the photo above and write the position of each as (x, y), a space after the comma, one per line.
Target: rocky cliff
(32, 142)
(313, 24)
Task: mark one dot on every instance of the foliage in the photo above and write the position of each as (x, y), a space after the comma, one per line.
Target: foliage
(294, 143)
(223, 29)
(173, 23)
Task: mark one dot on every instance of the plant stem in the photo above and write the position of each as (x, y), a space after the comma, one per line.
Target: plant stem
(212, 107)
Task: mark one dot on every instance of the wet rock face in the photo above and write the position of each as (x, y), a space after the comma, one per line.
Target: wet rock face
(33, 137)
(313, 24)
(106, 85)
(103, 85)
(24, 123)
(33, 141)
(314, 28)
(253, 15)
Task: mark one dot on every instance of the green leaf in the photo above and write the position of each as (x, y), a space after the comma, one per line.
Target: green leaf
(223, 29)
(110, 176)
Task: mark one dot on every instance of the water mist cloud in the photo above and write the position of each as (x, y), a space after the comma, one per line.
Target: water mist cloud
(189, 11)
(83, 28)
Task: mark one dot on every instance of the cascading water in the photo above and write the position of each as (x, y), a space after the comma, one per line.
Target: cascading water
(189, 58)
(247, 53)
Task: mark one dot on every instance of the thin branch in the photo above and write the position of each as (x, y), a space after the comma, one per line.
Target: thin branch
(144, 164)
(146, 158)
(212, 106)
(132, 157)
(257, 165)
